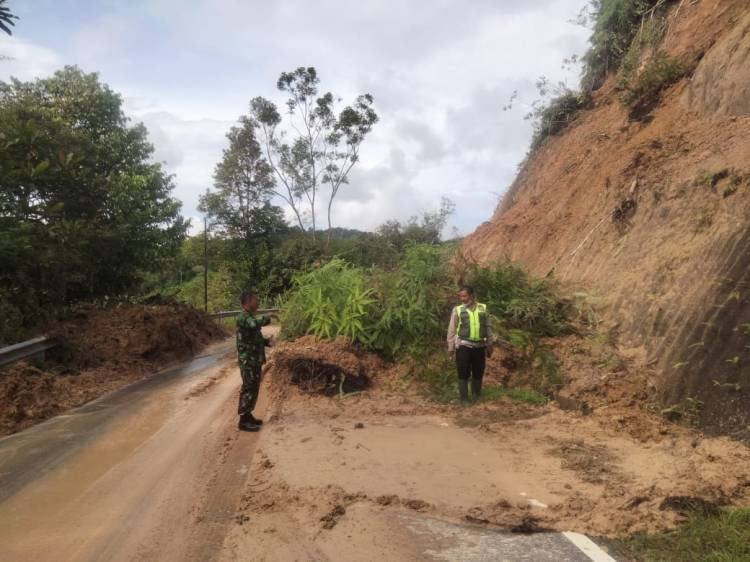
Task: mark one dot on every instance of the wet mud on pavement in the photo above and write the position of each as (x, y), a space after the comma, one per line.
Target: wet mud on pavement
(30, 454)
(149, 472)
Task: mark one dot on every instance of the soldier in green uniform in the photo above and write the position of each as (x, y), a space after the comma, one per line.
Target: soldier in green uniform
(251, 353)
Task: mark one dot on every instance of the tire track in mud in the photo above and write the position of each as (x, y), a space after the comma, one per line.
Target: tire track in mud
(218, 510)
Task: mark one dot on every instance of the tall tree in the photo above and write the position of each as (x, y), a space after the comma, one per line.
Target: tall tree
(6, 18)
(244, 185)
(84, 210)
(240, 205)
(428, 230)
(316, 146)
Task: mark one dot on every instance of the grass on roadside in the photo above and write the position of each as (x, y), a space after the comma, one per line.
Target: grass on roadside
(706, 537)
(525, 395)
(438, 373)
(441, 385)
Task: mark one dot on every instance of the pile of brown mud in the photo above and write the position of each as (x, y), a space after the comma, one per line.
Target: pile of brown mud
(600, 459)
(134, 336)
(101, 349)
(324, 367)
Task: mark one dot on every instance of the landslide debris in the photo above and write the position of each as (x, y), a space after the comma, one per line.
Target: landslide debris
(605, 463)
(325, 367)
(101, 349)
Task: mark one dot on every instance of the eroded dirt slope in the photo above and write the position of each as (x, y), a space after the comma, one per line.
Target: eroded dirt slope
(652, 216)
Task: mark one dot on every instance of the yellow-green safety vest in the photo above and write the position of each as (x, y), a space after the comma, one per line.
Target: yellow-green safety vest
(472, 324)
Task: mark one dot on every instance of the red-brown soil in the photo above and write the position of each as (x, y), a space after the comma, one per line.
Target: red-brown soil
(101, 349)
(330, 465)
(650, 217)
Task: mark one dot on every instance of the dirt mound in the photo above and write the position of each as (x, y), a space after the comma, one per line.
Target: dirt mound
(27, 393)
(134, 335)
(101, 349)
(325, 367)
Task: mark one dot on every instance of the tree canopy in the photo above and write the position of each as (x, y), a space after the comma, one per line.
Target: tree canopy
(243, 181)
(315, 146)
(6, 18)
(84, 210)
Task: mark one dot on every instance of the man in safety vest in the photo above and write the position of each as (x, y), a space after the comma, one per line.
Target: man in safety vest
(470, 340)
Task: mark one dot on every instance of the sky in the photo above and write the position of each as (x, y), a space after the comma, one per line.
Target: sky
(440, 72)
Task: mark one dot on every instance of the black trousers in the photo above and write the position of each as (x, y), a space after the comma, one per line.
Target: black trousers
(470, 362)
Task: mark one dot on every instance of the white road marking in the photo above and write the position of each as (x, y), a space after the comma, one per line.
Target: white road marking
(588, 547)
(537, 503)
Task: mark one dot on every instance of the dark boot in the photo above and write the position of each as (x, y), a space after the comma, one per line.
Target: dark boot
(463, 390)
(246, 424)
(476, 389)
(254, 420)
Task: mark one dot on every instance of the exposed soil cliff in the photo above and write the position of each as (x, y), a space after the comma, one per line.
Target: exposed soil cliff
(653, 215)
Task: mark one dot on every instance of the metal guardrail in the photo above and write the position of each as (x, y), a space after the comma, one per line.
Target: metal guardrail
(231, 313)
(30, 348)
(25, 349)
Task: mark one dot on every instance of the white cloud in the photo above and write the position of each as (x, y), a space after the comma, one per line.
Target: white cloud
(440, 72)
(26, 60)
(190, 150)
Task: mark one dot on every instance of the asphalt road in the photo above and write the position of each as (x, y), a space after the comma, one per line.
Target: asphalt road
(153, 472)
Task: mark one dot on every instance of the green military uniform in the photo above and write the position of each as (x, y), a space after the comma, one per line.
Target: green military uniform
(251, 353)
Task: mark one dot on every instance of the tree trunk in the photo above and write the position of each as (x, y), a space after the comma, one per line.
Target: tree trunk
(330, 204)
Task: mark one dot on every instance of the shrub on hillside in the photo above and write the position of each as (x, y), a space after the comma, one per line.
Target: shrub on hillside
(520, 301)
(616, 23)
(553, 117)
(642, 93)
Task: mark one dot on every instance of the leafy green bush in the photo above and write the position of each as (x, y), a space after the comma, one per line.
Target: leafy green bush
(642, 92)
(553, 117)
(522, 303)
(330, 301)
(386, 311)
(412, 300)
(616, 23)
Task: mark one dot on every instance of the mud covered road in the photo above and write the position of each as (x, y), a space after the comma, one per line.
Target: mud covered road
(148, 472)
(158, 471)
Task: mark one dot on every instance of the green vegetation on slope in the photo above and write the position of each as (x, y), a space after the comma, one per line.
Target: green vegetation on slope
(641, 92)
(616, 23)
(558, 113)
(622, 31)
(403, 312)
(722, 536)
